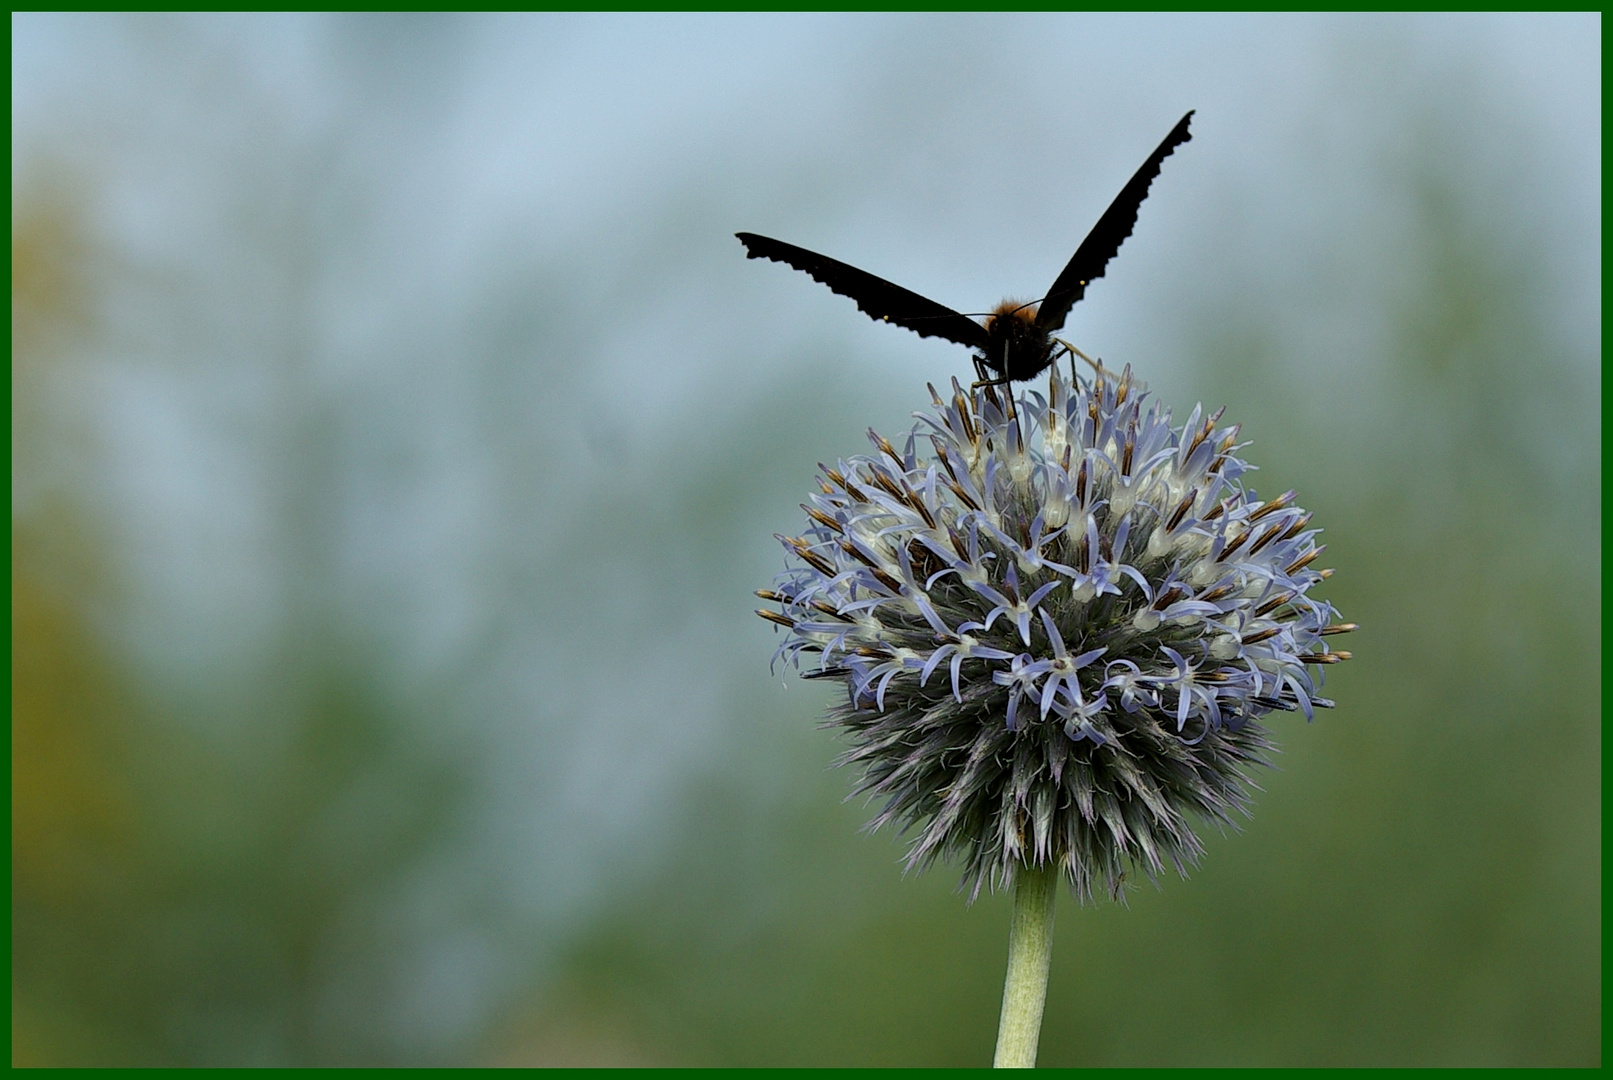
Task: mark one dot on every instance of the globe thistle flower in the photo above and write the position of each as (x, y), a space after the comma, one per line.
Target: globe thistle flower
(1060, 621)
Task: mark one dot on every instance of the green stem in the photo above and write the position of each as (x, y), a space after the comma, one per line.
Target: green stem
(1030, 949)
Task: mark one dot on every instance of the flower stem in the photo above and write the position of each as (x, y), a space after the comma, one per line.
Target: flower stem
(1030, 949)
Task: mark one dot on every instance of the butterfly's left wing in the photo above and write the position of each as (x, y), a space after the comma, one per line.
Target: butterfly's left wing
(881, 299)
(1107, 235)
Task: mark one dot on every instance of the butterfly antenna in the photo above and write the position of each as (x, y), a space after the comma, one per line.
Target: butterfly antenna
(976, 314)
(932, 318)
(989, 314)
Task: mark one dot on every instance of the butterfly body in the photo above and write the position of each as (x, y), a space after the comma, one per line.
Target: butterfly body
(1016, 342)
(1016, 348)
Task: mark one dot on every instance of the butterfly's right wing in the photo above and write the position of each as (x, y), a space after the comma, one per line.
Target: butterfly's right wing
(1104, 241)
(876, 296)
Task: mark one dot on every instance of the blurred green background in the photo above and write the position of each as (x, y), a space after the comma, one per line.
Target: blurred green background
(398, 432)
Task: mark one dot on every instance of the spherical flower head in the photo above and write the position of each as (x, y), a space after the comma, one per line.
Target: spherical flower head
(1060, 621)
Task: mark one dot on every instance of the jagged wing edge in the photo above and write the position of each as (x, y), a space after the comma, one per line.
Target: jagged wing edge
(1103, 242)
(880, 299)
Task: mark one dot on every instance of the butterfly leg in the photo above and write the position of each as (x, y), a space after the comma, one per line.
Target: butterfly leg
(983, 379)
(1096, 365)
(989, 384)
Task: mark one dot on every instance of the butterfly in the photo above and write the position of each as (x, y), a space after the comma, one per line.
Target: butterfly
(1016, 341)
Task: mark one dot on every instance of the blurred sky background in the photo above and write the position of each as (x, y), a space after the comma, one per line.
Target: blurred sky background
(398, 434)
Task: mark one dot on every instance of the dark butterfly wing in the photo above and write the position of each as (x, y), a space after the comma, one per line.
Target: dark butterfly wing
(1107, 235)
(876, 296)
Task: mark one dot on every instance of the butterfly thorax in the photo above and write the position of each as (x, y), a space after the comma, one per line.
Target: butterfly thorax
(1018, 349)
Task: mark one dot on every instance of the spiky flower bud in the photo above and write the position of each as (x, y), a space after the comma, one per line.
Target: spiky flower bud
(1060, 621)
